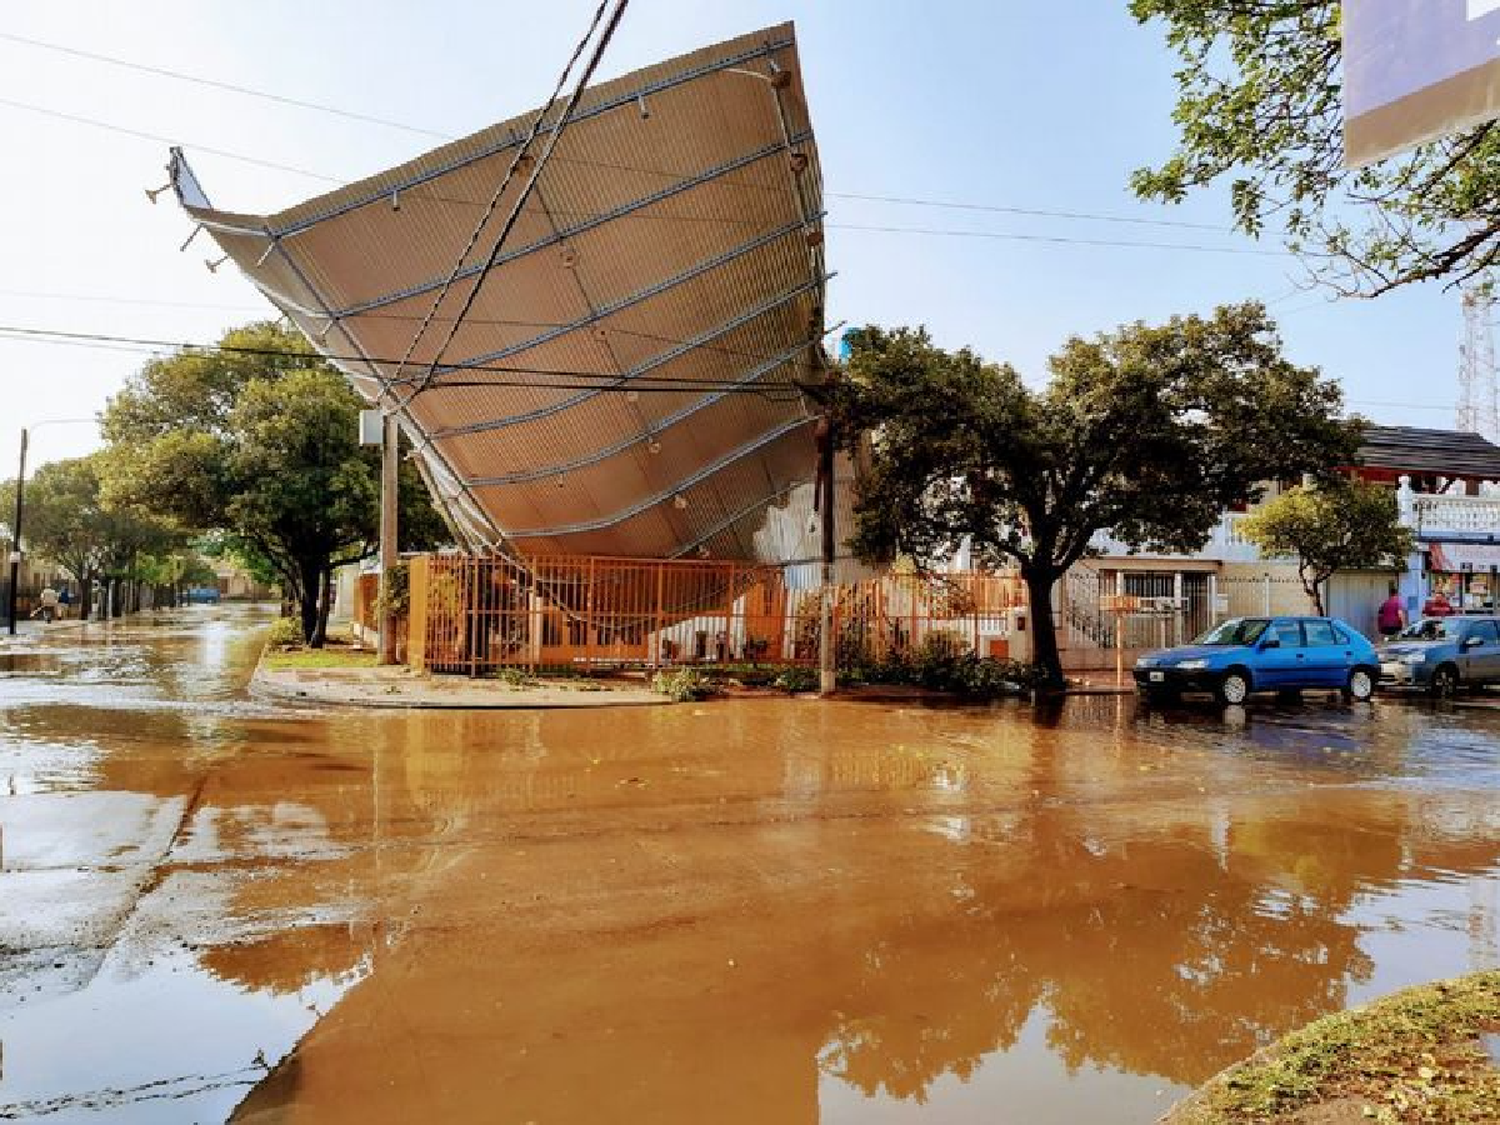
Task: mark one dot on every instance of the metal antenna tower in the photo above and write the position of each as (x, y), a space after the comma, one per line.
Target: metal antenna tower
(1478, 394)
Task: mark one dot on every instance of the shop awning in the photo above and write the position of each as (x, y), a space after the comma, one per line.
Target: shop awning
(1454, 557)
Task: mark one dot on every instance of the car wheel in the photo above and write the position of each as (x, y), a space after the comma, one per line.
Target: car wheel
(1361, 685)
(1234, 688)
(1444, 684)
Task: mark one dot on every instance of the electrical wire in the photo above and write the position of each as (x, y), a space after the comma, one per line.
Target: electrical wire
(1064, 240)
(160, 139)
(858, 227)
(214, 83)
(1038, 212)
(1032, 212)
(505, 322)
(644, 383)
(515, 213)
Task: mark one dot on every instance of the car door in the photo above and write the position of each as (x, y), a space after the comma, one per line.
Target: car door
(1328, 657)
(1481, 661)
(1282, 664)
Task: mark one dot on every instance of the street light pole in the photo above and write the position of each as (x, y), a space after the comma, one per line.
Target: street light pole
(15, 535)
(15, 531)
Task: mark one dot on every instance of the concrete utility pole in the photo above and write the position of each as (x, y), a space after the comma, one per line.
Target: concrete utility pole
(15, 536)
(827, 643)
(390, 555)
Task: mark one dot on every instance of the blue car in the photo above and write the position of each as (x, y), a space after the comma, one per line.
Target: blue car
(1443, 654)
(1250, 654)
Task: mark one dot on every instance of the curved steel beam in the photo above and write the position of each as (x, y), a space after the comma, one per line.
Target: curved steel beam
(591, 223)
(661, 426)
(650, 502)
(631, 98)
(625, 377)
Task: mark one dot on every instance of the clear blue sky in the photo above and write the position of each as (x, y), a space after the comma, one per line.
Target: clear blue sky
(1024, 105)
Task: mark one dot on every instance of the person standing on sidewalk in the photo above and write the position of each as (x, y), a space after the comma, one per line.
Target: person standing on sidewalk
(1391, 618)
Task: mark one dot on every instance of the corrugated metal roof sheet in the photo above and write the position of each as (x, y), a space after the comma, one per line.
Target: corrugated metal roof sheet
(624, 382)
(1447, 453)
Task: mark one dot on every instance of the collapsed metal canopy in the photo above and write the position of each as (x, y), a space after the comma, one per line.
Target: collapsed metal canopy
(624, 383)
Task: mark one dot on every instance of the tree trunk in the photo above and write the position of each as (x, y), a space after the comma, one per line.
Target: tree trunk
(85, 596)
(307, 599)
(1044, 651)
(325, 603)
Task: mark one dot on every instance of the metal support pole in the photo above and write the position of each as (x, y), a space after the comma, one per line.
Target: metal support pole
(15, 535)
(390, 555)
(827, 655)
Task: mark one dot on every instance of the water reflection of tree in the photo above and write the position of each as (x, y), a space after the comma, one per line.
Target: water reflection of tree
(290, 960)
(1219, 952)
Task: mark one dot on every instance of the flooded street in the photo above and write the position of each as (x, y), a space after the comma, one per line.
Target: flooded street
(763, 910)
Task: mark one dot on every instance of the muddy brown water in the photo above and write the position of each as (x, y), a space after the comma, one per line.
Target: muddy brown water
(213, 908)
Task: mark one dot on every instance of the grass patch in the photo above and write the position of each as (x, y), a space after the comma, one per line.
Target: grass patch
(1413, 1056)
(318, 658)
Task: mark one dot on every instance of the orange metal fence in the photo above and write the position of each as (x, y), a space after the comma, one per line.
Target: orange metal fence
(472, 615)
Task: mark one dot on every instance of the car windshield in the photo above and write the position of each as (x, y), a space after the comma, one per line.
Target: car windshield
(1431, 629)
(1235, 631)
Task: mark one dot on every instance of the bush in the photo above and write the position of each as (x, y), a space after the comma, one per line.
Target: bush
(797, 679)
(942, 663)
(285, 632)
(515, 677)
(683, 685)
(397, 596)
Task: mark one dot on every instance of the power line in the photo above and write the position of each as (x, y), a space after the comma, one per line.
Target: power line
(504, 322)
(78, 119)
(1062, 239)
(216, 84)
(900, 200)
(1039, 212)
(626, 383)
(521, 196)
(643, 383)
(866, 228)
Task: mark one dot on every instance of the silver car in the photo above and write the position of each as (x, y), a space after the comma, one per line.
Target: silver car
(1443, 654)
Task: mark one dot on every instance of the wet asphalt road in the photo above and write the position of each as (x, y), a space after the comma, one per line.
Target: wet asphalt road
(213, 908)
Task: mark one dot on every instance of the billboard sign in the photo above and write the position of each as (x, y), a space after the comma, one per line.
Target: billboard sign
(1416, 69)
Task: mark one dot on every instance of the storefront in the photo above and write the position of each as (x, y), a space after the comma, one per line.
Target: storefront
(1465, 573)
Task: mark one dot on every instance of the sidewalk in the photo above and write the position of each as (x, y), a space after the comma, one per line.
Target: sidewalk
(29, 632)
(399, 687)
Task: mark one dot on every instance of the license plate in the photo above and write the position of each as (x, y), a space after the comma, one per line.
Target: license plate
(1158, 677)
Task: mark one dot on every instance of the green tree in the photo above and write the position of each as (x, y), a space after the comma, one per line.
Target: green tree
(1339, 525)
(68, 522)
(262, 449)
(63, 521)
(1147, 432)
(1260, 100)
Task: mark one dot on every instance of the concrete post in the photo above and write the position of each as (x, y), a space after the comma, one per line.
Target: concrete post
(390, 555)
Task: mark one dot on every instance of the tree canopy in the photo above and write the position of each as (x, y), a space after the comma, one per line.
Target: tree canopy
(1260, 100)
(1340, 525)
(67, 521)
(264, 449)
(1148, 432)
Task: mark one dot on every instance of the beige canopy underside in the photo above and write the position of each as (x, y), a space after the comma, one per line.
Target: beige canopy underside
(626, 380)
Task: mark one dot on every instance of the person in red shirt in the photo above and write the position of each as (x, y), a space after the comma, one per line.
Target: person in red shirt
(1438, 605)
(1391, 618)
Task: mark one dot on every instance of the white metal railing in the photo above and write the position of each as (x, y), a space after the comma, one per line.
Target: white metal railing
(1226, 542)
(1455, 513)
